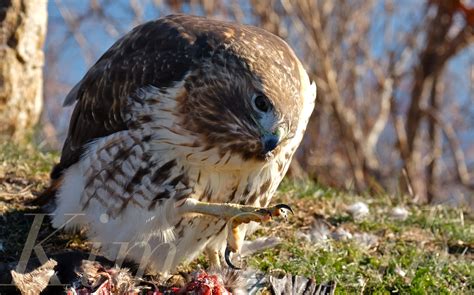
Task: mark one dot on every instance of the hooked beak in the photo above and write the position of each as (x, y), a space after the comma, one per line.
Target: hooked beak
(270, 142)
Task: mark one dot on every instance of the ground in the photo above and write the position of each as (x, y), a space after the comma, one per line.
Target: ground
(329, 239)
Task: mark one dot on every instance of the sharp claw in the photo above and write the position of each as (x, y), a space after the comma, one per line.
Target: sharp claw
(284, 206)
(227, 259)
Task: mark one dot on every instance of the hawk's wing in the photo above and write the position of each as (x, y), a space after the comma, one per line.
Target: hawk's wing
(156, 53)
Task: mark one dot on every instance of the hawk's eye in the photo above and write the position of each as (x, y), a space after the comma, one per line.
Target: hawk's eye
(261, 103)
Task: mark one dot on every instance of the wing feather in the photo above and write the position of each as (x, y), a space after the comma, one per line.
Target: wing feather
(156, 53)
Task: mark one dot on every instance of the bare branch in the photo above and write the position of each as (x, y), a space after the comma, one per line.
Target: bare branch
(74, 27)
(458, 154)
(382, 118)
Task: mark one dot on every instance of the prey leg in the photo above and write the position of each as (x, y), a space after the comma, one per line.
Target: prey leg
(236, 215)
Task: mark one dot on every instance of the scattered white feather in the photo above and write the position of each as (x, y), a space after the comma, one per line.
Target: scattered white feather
(341, 234)
(399, 271)
(257, 245)
(399, 213)
(366, 240)
(319, 232)
(358, 210)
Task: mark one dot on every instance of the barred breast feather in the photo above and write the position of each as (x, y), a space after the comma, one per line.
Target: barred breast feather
(165, 115)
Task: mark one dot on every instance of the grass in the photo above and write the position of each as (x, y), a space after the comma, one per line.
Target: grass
(431, 251)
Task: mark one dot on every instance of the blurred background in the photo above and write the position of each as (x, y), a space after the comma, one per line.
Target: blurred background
(395, 106)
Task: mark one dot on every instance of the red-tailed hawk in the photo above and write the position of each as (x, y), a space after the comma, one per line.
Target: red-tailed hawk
(181, 133)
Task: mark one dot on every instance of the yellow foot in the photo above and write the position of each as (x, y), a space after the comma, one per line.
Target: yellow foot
(234, 235)
(236, 215)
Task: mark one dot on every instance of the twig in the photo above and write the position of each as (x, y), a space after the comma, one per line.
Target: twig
(73, 27)
(458, 154)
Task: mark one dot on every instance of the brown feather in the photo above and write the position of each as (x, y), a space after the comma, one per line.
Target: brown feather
(160, 53)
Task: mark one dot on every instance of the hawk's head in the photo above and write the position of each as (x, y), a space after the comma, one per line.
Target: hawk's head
(246, 91)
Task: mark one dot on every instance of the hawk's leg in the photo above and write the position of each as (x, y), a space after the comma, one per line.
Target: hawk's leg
(214, 259)
(236, 215)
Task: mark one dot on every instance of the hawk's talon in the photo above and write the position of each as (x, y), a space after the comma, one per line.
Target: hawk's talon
(236, 215)
(281, 210)
(227, 258)
(284, 206)
(234, 238)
